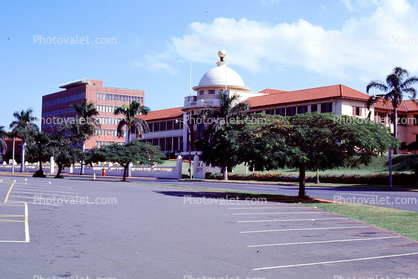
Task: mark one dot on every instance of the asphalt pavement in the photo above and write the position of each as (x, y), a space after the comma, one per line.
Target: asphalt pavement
(98, 229)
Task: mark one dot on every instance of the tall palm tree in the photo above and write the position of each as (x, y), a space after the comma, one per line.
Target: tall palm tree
(134, 125)
(3, 145)
(85, 124)
(22, 128)
(397, 84)
(230, 109)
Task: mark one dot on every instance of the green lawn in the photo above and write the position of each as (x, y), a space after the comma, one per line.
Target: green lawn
(399, 221)
(378, 165)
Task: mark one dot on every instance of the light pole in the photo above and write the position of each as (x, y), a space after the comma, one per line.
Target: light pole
(190, 147)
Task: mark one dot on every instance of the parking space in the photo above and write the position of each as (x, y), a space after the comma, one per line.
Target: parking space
(289, 239)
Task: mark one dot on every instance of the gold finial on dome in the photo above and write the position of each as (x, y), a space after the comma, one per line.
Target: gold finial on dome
(222, 54)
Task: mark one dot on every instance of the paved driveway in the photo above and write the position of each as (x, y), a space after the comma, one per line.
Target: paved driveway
(129, 230)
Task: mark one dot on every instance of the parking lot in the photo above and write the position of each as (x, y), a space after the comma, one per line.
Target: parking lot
(68, 228)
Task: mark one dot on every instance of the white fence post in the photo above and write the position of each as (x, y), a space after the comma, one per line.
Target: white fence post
(52, 163)
(179, 166)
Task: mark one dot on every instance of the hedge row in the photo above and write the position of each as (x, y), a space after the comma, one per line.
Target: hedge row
(379, 178)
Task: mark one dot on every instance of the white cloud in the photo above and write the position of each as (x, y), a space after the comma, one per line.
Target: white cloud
(154, 63)
(364, 48)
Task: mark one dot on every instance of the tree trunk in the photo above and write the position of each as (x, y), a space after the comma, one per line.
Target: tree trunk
(395, 126)
(225, 173)
(317, 176)
(59, 171)
(22, 156)
(302, 171)
(125, 170)
(40, 166)
(82, 162)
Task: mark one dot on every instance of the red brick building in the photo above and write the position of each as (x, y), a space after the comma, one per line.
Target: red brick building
(56, 107)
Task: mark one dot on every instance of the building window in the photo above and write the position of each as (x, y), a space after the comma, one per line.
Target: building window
(169, 125)
(156, 127)
(211, 92)
(314, 108)
(175, 144)
(303, 109)
(201, 92)
(357, 111)
(291, 111)
(270, 111)
(280, 111)
(163, 126)
(326, 107)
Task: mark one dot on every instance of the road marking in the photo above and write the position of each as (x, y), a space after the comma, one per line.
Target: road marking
(267, 213)
(308, 229)
(319, 242)
(49, 182)
(27, 238)
(291, 220)
(44, 192)
(338, 261)
(8, 193)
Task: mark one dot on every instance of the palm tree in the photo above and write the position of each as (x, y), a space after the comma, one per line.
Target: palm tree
(3, 145)
(397, 84)
(134, 125)
(22, 128)
(230, 110)
(85, 124)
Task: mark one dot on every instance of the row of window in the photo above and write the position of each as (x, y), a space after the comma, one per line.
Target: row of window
(57, 112)
(167, 144)
(109, 120)
(106, 132)
(290, 111)
(65, 99)
(101, 108)
(119, 98)
(210, 92)
(165, 126)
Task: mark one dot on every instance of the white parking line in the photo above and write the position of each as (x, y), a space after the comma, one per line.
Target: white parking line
(263, 207)
(291, 220)
(320, 242)
(37, 192)
(338, 261)
(306, 229)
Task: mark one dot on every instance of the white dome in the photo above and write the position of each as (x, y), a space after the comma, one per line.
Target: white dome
(217, 76)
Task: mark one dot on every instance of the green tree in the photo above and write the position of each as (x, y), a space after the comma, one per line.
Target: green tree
(215, 137)
(133, 124)
(397, 84)
(85, 124)
(135, 152)
(64, 148)
(313, 141)
(22, 128)
(3, 135)
(39, 150)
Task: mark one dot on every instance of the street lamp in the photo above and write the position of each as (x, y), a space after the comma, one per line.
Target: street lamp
(190, 147)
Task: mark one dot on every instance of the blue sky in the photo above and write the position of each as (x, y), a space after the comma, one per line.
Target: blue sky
(280, 44)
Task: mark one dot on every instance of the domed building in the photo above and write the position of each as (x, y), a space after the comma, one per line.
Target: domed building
(170, 133)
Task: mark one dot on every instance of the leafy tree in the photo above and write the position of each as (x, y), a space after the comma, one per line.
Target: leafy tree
(135, 152)
(22, 128)
(134, 125)
(313, 141)
(85, 124)
(63, 149)
(216, 134)
(39, 150)
(397, 84)
(3, 135)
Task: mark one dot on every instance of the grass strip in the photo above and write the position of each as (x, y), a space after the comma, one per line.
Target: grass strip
(402, 222)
